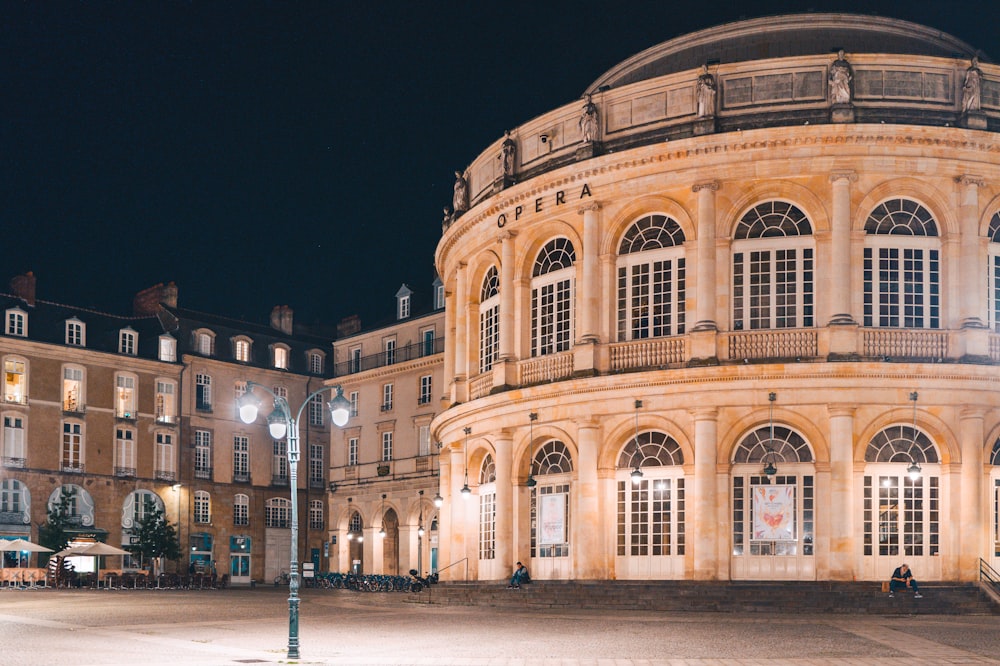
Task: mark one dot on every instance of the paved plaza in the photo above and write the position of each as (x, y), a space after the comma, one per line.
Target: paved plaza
(242, 626)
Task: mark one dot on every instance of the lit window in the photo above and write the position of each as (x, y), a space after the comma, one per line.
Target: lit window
(651, 279)
(241, 510)
(425, 390)
(127, 339)
(489, 319)
(13, 440)
(72, 389)
(125, 398)
(241, 350)
(166, 410)
(203, 454)
(76, 333)
(202, 507)
(993, 288)
(17, 322)
(387, 446)
(240, 388)
(15, 381)
(552, 281)
(281, 357)
(72, 446)
(168, 349)
(203, 392)
(124, 451)
(204, 342)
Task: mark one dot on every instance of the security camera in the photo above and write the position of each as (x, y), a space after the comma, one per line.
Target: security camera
(543, 137)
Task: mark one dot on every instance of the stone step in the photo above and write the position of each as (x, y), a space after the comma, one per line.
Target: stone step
(705, 596)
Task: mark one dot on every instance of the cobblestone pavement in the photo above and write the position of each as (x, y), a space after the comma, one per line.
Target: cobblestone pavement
(242, 626)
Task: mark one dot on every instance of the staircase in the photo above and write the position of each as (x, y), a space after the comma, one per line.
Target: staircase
(717, 597)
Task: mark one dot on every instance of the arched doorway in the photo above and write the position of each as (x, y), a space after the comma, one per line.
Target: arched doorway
(356, 544)
(551, 469)
(390, 543)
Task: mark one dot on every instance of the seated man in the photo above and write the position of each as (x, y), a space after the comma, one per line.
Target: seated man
(520, 576)
(902, 577)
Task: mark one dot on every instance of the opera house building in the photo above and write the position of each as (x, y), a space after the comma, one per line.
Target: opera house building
(733, 315)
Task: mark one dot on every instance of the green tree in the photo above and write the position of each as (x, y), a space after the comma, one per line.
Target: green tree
(53, 533)
(155, 536)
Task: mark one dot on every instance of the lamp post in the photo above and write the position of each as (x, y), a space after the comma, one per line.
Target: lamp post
(281, 423)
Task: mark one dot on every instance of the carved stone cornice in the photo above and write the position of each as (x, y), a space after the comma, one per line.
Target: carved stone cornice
(849, 176)
(969, 179)
(711, 185)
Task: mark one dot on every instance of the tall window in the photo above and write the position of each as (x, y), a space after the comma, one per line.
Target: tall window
(14, 498)
(203, 454)
(128, 341)
(387, 445)
(354, 403)
(993, 290)
(316, 515)
(17, 322)
(550, 500)
(316, 409)
(76, 332)
(124, 451)
(281, 357)
(204, 342)
(278, 510)
(72, 446)
(125, 397)
(389, 349)
(279, 463)
(438, 296)
(241, 510)
(404, 307)
(316, 467)
(168, 349)
(166, 406)
(241, 350)
(489, 319)
(651, 509)
(241, 459)
(202, 507)
(552, 281)
(427, 335)
(487, 509)
(425, 390)
(15, 387)
(163, 462)
(424, 440)
(72, 389)
(773, 268)
(315, 363)
(352, 451)
(355, 361)
(651, 279)
(386, 397)
(902, 267)
(203, 392)
(13, 440)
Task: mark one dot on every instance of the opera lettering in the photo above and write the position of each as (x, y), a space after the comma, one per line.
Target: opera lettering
(539, 205)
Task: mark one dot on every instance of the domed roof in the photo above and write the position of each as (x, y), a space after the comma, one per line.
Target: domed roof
(785, 36)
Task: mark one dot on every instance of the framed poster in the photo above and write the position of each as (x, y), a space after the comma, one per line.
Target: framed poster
(552, 519)
(774, 513)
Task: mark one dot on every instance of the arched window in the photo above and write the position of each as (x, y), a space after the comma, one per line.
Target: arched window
(902, 267)
(487, 509)
(552, 280)
(773, 268)
(137, 506)
(489, 319)
(278, 510)
(994, 274)
(79, 507)
(786, 445)
(995, 455)
(241, 510)
(202, 507)
(204, 341)
(552, 458)
(651, 279)
(355, 525)
(901, 443)
(651, 506)
(550, 501)
(242, 346)
(15, 501)
(488, 472)
(650, 449)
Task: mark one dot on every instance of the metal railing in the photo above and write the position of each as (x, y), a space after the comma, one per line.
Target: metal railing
(989, 579)
(125, 471)
(391, 357)
(203, 473)
(464, 559)
(14, 462)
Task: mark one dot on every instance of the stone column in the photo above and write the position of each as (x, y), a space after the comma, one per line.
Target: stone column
(506, 479)
(461, 531)
(840, 249)
(972, 437)
(841, 511)
(449, 350)
(461, 333)
(705, 278)
(587, 526)
(446, 524)
(705, 523)
(506, 344)
(590, 291)
(973, 264)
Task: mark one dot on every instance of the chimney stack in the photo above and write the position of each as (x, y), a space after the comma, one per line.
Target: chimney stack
(349, 326)
(23, 286)
(147, 302)
(281, 319)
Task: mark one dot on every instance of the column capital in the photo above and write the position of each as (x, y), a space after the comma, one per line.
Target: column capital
(506, 236)
(841, 410)
(849, 176)
(587, 423)
(705, 413)
(972, 412)
(711, 185)
(589, 207)
(970, 179)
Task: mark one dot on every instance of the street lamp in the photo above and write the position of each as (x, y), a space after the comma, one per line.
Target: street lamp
(281, 423)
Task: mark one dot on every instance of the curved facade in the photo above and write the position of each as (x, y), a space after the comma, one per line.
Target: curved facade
(733, 321)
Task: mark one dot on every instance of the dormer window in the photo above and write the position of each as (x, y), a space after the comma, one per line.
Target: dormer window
(403, 302)
(76, 332)
(315, 359)
(168, 349)
(438, 294)
(241, 349)
(127, 341)
(204, 342)
(17, 322)
(280, 353)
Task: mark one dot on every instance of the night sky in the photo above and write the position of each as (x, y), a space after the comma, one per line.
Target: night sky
(299, 153)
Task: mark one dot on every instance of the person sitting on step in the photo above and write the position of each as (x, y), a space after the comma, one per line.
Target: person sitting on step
(902, 577)
(520, 576)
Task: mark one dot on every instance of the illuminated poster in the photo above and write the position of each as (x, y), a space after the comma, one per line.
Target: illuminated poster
(774, 513)
(552, 519)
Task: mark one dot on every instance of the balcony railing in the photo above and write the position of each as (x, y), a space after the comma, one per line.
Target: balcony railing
(279, 480)
(995, 347)
(398, 355)
(166, 419)
(74, 408)
(773, 344)
(14, 462)
(241, 477)
(164, 475)
(13, 518)
(203, 473)
(76, 468)
(481, 385)
(906, 344)
(654, 353)
(545, 368)
(125, 471)
(317, 483)
(16, 398)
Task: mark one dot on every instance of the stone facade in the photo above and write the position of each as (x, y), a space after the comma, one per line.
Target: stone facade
(686, 305)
